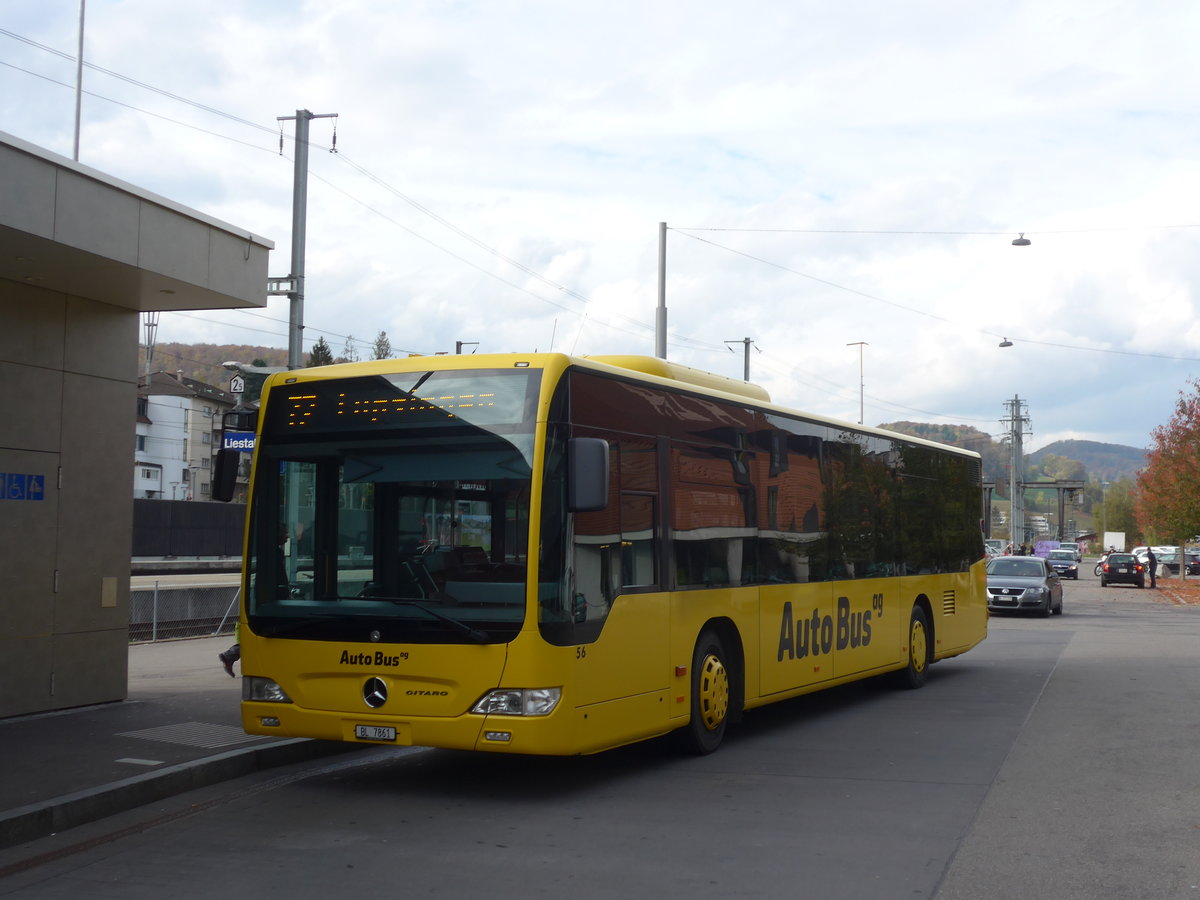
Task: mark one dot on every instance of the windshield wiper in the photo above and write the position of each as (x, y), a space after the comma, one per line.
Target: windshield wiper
(480, 637)
(420, 381)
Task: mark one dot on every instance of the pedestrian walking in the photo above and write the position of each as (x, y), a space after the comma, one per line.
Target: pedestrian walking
(234, 653)
(1152, 565)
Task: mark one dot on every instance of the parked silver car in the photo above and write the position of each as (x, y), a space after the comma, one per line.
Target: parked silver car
(1017, 583)
(1074, 547)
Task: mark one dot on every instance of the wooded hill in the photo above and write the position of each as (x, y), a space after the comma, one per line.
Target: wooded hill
(203, 361)
(1108, 462)
(1074, 460)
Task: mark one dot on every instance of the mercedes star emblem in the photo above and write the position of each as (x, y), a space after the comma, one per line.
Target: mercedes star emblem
(375, 692)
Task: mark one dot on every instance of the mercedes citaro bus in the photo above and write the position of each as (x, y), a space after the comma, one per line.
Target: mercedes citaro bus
(549, 554)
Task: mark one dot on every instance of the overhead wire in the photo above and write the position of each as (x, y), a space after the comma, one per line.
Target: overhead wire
(645, 327)
(565, 290)
(569, 292)
(936, 233)
(840, 390)
(919, 312)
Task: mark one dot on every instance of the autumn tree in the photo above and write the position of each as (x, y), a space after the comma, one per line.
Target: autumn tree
(1168, 489)
(320, 355)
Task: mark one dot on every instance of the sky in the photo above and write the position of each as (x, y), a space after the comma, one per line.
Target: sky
(841, 184)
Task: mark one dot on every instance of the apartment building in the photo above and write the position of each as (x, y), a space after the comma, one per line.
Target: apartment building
(178, 430)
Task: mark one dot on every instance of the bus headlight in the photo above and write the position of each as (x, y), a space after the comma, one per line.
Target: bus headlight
(518, 702)
(263, 689)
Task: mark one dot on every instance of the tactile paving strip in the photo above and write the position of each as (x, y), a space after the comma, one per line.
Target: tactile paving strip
(194, 734)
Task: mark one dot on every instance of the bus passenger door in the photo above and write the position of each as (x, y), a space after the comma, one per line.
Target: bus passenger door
(798, 635)
(621, 612)
(869, 624)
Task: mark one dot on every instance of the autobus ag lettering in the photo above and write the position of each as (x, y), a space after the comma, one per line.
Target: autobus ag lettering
(378, 658)
(853, 628)
(799, 637)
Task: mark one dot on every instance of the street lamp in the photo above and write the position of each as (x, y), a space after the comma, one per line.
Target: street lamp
(1103, 513)
(247, 369)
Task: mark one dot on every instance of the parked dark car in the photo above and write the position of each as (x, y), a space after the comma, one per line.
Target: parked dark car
(1064, 563)
(1023, 583)
(1169, 562)
(1122, 568)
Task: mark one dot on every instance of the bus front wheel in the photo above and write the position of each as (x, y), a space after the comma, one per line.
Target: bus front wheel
(710, 697)
(914, 674)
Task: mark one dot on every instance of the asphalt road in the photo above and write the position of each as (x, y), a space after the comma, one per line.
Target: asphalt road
(1056, 760)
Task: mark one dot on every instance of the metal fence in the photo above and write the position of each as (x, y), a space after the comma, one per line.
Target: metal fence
(182, 528)
(168, 612)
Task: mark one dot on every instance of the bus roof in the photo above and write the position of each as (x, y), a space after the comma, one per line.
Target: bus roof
(648, 368)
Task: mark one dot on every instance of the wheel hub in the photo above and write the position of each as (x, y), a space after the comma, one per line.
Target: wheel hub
(714, 692)
(918, 647)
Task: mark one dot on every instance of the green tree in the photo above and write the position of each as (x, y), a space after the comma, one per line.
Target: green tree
(1168, 489)
(1061, 468)
(320, 355)
(254, 383)
(1115, 512)
(382, 347)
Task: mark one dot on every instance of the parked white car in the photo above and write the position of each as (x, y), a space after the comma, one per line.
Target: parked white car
(1143, 553)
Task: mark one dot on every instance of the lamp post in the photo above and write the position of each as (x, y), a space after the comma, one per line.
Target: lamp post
(859, 345)
(1103, 514)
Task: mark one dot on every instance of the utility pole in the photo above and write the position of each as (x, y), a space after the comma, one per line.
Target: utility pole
(660, 318)
(746, 366)
(293, 285)
(861, 383)
(79, 80)
(151, 333)
(1018, 423)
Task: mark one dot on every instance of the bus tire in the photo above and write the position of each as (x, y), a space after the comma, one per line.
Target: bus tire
(710, 697)
(916, 671)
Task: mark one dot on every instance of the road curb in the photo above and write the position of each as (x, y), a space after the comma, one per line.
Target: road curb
(38, 820)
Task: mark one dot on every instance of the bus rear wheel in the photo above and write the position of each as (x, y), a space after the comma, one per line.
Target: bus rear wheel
(916, 672)
(710, 697)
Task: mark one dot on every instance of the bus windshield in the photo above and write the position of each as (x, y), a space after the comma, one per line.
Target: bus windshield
(394, 511)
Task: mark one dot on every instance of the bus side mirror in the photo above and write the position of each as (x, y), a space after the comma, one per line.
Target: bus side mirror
(587, 474)
(224, 481)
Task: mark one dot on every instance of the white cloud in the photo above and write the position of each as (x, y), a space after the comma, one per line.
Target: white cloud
(903, 145)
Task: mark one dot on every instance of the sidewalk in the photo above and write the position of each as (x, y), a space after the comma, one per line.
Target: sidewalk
(179, 729)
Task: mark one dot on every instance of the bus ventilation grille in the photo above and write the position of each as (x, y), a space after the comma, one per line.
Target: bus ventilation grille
(948, 603)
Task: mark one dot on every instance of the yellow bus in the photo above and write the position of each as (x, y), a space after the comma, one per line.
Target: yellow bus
(547, 554)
